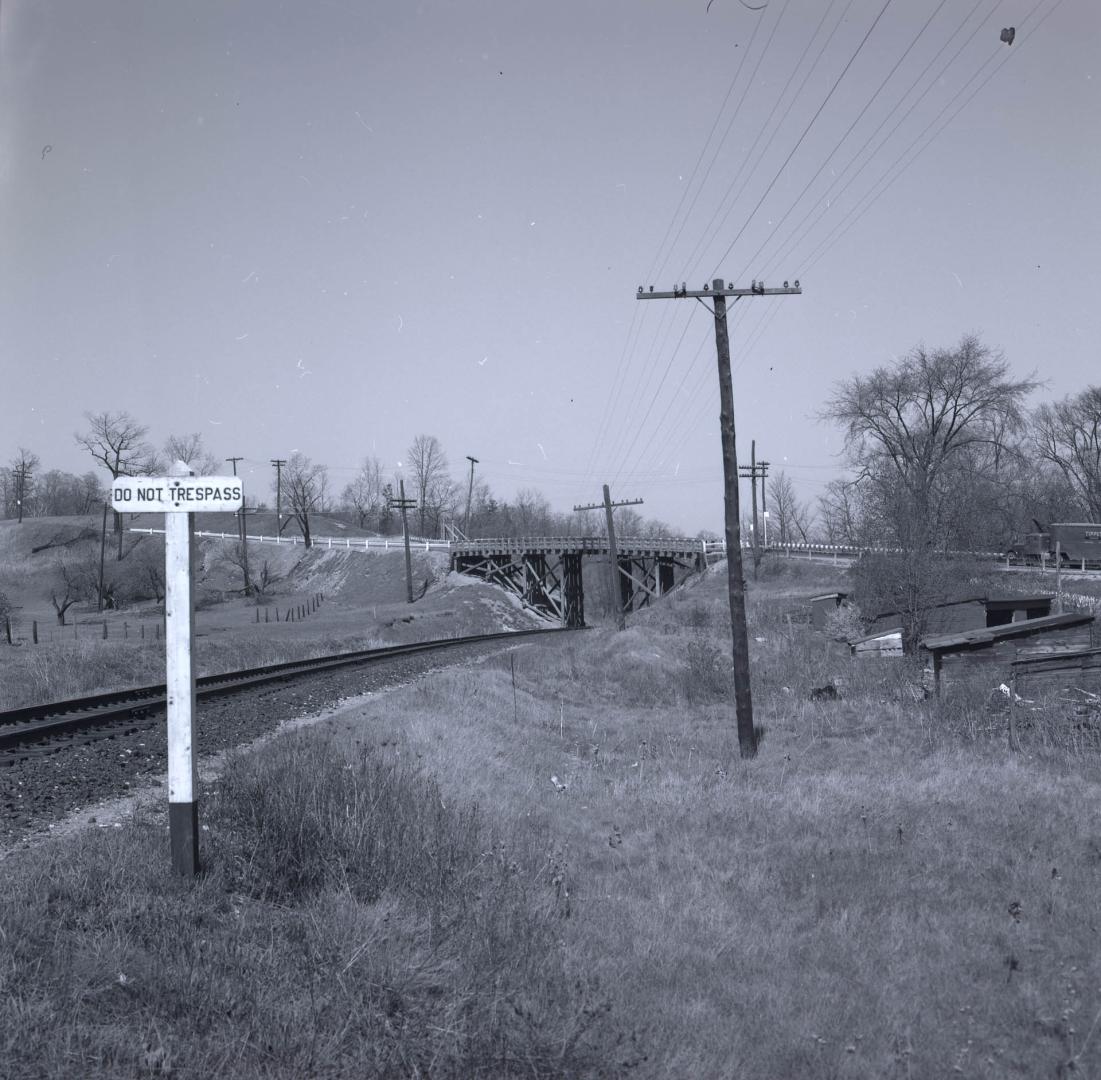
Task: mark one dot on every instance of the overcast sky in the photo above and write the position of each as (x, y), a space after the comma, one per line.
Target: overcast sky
(332, 226)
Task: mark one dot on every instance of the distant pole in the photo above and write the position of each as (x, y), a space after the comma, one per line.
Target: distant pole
(24, 468)
(278, 463)
(102, 554)
(241, 532)
(613, 552)
(1058, 579)
(404, 504)
(756, 532)
(469, 496)
(718, 292)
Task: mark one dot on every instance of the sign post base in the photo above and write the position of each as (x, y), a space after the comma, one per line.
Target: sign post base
(183, 829)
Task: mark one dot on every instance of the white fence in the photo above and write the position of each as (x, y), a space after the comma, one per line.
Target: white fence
(342, 543)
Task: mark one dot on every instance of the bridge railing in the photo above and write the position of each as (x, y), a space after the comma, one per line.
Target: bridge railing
(586, 545)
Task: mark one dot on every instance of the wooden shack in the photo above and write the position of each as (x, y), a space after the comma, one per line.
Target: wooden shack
(880, 644)
(1035, 676)
(822, 606)
(992, 650)
(970, 612)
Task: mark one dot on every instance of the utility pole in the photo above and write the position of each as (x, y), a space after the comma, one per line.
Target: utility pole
(718, 292)
(757, 469)
(241, 532)
(469, 495)
(279, 463)
(613, 553)
(24, 469)
(404, 504)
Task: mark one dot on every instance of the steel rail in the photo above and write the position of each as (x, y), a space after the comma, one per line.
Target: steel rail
(32, 722)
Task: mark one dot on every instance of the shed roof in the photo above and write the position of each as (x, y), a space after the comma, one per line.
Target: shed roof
(1003, 601)
(984, 635)
(878, 634)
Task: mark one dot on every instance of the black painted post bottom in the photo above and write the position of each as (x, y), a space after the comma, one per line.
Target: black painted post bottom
(183, 829)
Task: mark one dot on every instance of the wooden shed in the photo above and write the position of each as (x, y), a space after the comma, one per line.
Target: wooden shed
(1035, 676)
(874, 646)
(822, 606)
(970, 612)
(993, 649)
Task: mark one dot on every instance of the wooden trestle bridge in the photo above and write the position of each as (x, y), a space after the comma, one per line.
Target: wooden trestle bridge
(545, 572)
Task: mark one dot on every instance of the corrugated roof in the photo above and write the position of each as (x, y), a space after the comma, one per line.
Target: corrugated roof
(983, 635)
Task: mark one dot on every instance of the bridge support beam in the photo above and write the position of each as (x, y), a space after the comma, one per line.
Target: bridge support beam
(666, 578)
(626, 585)
(573, 591)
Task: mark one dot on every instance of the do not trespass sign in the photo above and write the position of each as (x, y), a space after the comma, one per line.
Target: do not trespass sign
(176, 494)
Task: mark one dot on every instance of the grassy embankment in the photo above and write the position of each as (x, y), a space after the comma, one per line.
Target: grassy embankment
(365, 606)
(887, 891)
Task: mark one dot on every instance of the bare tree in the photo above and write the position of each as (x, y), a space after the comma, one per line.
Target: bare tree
(69, 587)
(190, 450)
(906, 425)
(1068, 435)
(259, 580)
(431, 483)
(303, 488)
(364, 494)
(792, 516)
(117, 441)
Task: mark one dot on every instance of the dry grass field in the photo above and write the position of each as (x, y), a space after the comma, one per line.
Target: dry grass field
(555, 864)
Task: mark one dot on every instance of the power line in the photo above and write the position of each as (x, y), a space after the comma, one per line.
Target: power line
(848, 131)
(715, 222)
(799, 141)
(859, 211)
(832, 193)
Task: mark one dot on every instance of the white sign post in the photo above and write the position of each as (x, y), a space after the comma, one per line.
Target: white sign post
(177, 496)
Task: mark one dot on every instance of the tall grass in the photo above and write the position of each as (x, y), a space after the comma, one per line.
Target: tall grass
(556, 861)
(349, 923)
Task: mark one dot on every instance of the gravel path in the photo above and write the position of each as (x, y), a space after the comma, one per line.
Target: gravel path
(40, 792)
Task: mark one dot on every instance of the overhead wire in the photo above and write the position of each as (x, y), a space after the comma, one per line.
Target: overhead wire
(870, 199)
(715, 222)
(622, 367)
(848, 131)
(729, 126)
(832, 194)
(635, 397)
(806, 130)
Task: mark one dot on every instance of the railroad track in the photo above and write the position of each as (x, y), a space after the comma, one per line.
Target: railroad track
(96, 716)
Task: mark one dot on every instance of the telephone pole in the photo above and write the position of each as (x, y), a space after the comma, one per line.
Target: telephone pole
(241, 532)
(404, 504)
(718, 292)
(469, 495)
(24, 472)
(756, 469)
(613, 553)
(279, 463)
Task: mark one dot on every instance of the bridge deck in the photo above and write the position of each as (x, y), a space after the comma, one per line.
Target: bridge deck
(628, 547)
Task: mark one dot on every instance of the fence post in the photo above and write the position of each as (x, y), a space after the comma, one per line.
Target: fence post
(7, 627)
(104, 629)
(34, 631)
